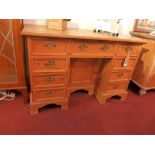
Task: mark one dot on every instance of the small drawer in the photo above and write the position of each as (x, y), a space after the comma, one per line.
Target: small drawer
(49, 65)
(119, 63)
(124, 49)
(120, 75)
(82, 47)
(115, 87)
(43, 46)
(47, 95)
(49, 80)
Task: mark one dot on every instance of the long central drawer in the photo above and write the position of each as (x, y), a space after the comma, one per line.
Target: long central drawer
(86, 48)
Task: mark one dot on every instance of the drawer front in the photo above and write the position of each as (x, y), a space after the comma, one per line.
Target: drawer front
(47, 95)
(43, 46)
(92, 47)
(123, 50)
(115, 87)
(119, 63)
(49, 65)
(120, 75)
(49, 80)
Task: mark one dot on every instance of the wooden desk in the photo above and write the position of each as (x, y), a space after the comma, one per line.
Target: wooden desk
(61, 62)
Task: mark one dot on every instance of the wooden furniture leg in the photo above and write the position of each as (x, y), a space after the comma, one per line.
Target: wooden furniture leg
(142, 92)
(25, 94)
(33, 110)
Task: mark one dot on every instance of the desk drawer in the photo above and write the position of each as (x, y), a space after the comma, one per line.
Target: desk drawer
(82, 47)
(46, 95)
(49, 65)
(115, 87)
(120, 75)
(43, 46)
(118, 64)
(48, 80)
(124, 49)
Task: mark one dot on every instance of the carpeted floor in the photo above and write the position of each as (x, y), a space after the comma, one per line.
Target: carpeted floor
(135, 115)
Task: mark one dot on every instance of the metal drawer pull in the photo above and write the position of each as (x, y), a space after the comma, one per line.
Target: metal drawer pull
(116, 86)
(50, 45)
(128, 49)
(49, 93)
(83, 46)
(50, 79)
(105, 47)
(50, 63)
(120, 75)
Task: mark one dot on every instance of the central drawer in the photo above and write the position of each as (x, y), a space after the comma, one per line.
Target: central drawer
(49, 94)
(49, 64)
(86, 47)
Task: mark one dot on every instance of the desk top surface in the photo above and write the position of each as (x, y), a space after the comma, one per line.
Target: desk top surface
(35, 30)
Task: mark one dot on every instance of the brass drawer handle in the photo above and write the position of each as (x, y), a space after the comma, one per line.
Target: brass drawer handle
(50, 45)
(129, 49)
(116, 86)
(120, 75)
(50, 63)
(49, 93)
(105, 47)
(50, 79)
(83, 46)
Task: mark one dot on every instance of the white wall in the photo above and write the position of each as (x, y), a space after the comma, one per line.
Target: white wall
(127, 24)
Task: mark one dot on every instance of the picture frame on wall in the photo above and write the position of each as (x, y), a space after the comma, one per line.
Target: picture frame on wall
(144, 25)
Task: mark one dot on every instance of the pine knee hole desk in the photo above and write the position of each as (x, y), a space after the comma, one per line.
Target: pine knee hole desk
(61, 62)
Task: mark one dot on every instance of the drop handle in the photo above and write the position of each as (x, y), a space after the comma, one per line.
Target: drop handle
(104, 47)
(50, 63)
(49, 93)
(116, 86)
(50, 45)
(120, 75)
(128, 49)
(83, 46)
(50, 79)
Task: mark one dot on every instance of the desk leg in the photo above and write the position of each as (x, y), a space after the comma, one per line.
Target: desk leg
(142, 92)
(64, 105)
